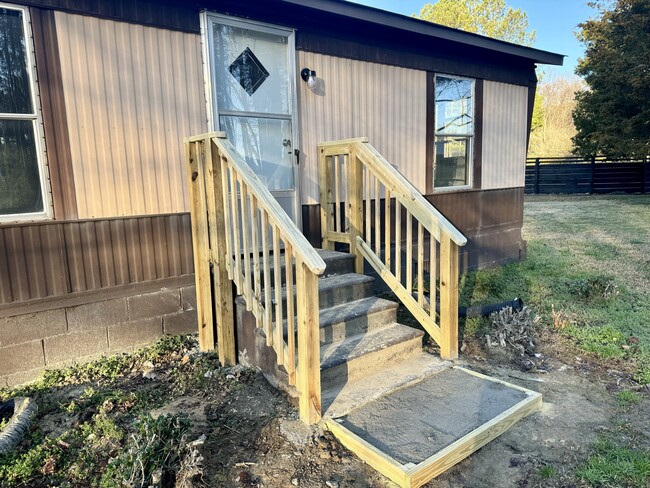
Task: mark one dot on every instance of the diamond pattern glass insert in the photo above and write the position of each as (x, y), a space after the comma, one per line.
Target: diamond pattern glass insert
(248, 71)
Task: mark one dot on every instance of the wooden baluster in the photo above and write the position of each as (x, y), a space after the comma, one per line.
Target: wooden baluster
(228, 220)
(420, 260)
(224, 303)
(448, 298)
(377, 217)
(268, 305)
(255, 245)
(236, 219)
(387, 222)
(291, 326)
(309, 388)
(337, 195)
(278, 340)
(245, 224)
(409, 253)
(355, 202)
(326, 215)
(345, 181)
(433, 276)
(368, 188)
(398, 240)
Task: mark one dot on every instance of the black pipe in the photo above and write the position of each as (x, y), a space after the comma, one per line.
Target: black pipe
(484, 310)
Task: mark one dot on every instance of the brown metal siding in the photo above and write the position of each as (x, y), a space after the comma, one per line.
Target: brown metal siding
(359, 99)
(162, 14)
(56, 258)
(132, 93)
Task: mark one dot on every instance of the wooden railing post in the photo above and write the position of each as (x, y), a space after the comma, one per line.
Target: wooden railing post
(537, 168)
(223, 296)
(200, 243)
(309, 388)
(355, 205)
(448, 298)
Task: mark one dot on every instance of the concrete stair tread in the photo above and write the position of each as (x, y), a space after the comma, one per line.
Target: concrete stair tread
(335, 262)
(341, 399)
(327, 284)
(354, 347)
(354, 309)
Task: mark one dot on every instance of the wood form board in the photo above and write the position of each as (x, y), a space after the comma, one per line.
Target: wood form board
(412, 475)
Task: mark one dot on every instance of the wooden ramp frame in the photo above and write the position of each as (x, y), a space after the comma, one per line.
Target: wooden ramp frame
(412, 475)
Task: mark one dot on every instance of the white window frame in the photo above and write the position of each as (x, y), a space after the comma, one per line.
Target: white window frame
(37, 123)
(472, 136)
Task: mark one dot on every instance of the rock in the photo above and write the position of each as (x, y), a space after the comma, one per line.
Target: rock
(149, 374)
(296, 432)
(295, 482)
(332, 484)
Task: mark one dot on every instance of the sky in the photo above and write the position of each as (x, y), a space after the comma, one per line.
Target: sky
(555, 21)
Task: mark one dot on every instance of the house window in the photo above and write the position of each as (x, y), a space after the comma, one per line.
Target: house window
(22, 181)
(454, 132)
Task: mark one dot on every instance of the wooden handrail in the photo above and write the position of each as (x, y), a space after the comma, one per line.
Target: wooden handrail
(242, 233)
(353, 178)
(409, 196)
(289, 229)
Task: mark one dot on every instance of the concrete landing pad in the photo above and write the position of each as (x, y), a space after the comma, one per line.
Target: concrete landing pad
(415, 433)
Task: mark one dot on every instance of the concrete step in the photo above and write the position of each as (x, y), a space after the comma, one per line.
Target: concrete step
(337, 263)
(357, 317)
(332, 291)
(339, 289)
(362, 354)
(342, 399)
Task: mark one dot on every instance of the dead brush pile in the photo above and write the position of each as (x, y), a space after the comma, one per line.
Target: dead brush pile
(513, 334)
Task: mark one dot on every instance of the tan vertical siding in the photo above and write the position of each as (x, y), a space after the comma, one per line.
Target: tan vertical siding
(131, 94)
(505, 110)
(355, 99)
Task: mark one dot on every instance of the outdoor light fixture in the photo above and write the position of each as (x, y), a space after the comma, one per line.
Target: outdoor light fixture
(309, 76)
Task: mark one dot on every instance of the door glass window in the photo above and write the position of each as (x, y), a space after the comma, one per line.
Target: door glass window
(252, 71)
(264, 144)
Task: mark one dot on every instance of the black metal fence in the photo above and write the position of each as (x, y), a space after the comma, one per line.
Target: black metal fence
(590, 175)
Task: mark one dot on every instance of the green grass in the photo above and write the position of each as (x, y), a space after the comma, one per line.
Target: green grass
(546, 472)
(626, 398)
(616, 465)
(586, 275)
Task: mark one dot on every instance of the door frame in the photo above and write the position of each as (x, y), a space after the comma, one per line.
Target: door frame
(209, 75)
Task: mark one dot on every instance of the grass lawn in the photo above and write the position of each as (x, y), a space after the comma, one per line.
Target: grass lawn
(587, 275)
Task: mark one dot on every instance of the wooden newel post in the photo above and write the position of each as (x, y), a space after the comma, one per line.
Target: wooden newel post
(448, 298)
(309, 388)
(200, 242)
(223, 296)
(355, 192)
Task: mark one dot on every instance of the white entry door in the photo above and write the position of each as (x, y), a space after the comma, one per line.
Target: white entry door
(253, 100)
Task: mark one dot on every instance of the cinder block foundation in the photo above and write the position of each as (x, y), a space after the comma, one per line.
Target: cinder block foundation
(32, 342)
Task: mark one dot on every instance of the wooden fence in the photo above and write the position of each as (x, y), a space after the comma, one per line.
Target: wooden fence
(587, 175)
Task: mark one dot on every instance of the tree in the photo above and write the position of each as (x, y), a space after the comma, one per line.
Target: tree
(556, 96)
(492, 18)
(613, 116)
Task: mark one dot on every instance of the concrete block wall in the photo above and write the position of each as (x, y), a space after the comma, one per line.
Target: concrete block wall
(30, 343)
